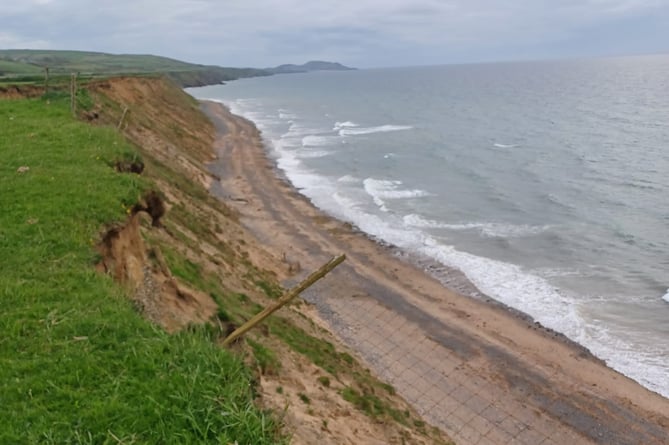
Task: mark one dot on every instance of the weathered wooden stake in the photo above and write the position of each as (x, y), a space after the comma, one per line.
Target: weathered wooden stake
(46, 80)
(259, 317)
(120, 122)
(73, 94)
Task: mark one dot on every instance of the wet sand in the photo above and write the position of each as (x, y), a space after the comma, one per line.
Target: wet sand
(483, 373)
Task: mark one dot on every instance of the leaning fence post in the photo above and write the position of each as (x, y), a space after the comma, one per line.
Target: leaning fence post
(120, 122)
(73, 93)
(46, 80)
(260, 316)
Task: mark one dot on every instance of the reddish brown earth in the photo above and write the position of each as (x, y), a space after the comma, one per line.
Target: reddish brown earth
(176, 142)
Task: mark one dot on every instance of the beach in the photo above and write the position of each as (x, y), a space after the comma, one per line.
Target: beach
(476, 369)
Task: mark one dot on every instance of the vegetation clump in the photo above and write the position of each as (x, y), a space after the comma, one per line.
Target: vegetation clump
(77, 363)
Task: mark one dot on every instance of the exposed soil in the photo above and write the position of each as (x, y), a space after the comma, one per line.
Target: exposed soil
(20, 91)
(176, 141)
(158, 295)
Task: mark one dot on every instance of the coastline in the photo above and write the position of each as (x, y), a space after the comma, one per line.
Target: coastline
(471, 367)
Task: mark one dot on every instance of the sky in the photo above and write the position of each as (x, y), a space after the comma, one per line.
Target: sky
(361, 33)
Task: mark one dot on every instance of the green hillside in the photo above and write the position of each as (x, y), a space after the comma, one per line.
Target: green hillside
(78, 363)
(8, 67)
(31, 63)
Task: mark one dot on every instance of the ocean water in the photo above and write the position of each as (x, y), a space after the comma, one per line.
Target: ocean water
(545, 183)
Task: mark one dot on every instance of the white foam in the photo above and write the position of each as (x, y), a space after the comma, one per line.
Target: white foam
(506, 282)
(490, 230)
(318, 140)
(496, 230)
(286, 142)
(312, 154)
(666, 296)
(297, 130)
(381, 189)
(646, 365)
(389, 189)
(348, 124)
(515, 287)
(286, 115)
(559, 272)
(504, 145)
(370, 130)
(415, 220)
(349, 179)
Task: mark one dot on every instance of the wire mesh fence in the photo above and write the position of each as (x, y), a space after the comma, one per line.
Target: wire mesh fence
(429, 374)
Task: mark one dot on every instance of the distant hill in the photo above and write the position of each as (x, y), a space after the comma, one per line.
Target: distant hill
(27, 63)
(314, 65)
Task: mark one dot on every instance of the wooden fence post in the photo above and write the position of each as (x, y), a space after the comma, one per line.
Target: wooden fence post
(120, 121)
(259, 317)
(46, 80)
(73, 93)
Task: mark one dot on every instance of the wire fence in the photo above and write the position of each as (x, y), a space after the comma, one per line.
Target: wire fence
(429, 374)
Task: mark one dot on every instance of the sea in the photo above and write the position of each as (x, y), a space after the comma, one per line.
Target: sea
(545, 183)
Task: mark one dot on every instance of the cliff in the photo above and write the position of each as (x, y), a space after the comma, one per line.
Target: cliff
(133, 196)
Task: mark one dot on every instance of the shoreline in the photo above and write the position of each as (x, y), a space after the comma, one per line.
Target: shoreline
(475, 368)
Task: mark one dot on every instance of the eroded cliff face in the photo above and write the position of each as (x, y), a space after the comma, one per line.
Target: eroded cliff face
(185, 258)
(142, 269)
(177, 225)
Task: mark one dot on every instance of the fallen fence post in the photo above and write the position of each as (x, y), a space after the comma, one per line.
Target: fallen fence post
(260, 316)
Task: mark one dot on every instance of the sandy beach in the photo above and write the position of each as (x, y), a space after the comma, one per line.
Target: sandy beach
(481, 372)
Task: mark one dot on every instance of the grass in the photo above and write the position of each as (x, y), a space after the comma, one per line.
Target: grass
(265, 358)
(18, 68)
(372, 405)
(319, 352)
(77, 363)
(367, 394)
(270, 289)
(32, 62)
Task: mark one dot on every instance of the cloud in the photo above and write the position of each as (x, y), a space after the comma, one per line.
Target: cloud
(12, 41)
(364, 32)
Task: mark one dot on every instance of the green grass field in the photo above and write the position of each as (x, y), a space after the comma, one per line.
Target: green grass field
(19, 69)
(78, 364)
(29, 65)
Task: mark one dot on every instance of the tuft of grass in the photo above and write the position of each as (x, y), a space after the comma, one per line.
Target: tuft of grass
(370, 404)
(324, 380)
(322, 353)
(77, 363)
(265, 358)
(270, 289)
(304, 398)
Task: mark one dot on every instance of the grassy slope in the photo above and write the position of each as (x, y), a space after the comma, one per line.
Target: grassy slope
(77, 363)
(163, 115)
(84, 61)
(75, 357)
(18, 68)
(31, 62)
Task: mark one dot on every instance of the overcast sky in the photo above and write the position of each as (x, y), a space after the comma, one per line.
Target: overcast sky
(363, 33)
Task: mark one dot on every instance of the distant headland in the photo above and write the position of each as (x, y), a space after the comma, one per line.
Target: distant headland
(314, 65)
(26, 64)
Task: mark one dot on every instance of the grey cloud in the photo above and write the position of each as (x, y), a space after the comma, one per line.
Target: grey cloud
(364, 32)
